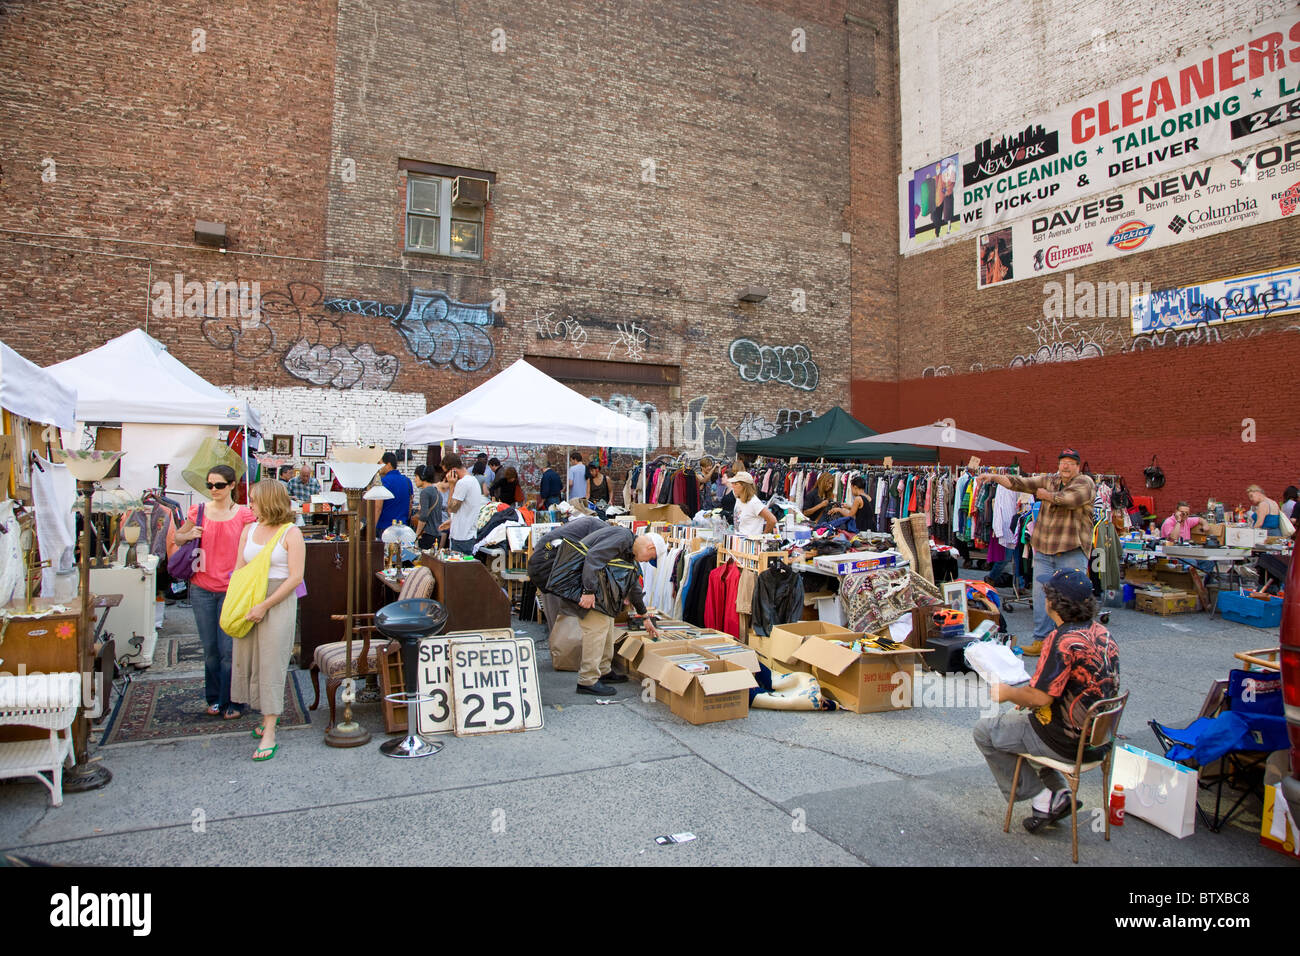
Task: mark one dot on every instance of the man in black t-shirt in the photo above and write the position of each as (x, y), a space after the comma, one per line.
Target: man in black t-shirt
(1078, 667)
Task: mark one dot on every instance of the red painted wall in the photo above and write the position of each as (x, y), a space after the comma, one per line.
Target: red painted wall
(1184, 404)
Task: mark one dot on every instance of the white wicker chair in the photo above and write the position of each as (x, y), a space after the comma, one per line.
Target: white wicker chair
(49, 702)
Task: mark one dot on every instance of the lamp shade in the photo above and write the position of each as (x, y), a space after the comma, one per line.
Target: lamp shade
(353, 474)
(88, 465)
(399, 534)
(377, 493)
(359, 454)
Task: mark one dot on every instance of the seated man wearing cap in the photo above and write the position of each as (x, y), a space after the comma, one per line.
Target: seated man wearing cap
(1078, 667)
(1062, 535)
(604, 543)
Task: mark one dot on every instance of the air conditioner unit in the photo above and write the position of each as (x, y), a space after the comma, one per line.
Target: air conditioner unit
(468, 191)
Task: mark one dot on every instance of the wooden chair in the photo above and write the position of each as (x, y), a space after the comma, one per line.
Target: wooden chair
(1100, 725)
(331, 659)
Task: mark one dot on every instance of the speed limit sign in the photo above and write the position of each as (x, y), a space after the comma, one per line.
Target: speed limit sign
(486, 696)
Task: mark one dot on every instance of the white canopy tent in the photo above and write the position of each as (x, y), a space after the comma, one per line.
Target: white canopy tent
(29, 391)
(135, 381)
(523, 405)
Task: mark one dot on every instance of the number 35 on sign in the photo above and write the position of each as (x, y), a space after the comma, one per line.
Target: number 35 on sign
(488, 687)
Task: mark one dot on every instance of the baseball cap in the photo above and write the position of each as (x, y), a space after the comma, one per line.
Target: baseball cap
(1068, 453)
(742, 476)
(1071, 584)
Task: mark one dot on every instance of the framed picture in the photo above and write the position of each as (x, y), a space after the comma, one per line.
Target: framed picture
(311, 446)
(323, 475)
(282, 446)
(954, 596)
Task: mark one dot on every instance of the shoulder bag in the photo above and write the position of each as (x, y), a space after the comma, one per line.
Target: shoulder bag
(181, 563)
(247, 589)
(1155, 475)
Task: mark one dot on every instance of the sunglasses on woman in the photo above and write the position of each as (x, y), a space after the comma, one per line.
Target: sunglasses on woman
(218, 485)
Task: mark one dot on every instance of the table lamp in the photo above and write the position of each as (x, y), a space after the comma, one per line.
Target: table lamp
(354, 468)
(396, 537)
(87, 466)
(131, 535)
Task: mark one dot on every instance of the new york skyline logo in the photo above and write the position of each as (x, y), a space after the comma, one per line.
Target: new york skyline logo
(1027, 146)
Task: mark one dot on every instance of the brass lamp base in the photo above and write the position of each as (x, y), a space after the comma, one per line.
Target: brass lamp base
(350, 734)
(83, 777)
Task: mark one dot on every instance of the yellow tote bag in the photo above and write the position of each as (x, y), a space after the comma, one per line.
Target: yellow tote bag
(247, 588)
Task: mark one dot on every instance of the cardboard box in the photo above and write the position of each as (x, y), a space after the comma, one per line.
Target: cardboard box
(856, 561)
(1204, 530)
(866, 682)
(1241, 536)
(698, 698)
(1165, 602)
(669, 513)
(779, 647)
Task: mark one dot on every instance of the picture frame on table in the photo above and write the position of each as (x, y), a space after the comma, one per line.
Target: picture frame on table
(311, 446)
(282, 446)
(324, 475)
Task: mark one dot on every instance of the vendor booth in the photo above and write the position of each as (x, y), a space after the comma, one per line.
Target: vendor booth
(165, 410)
(833, 436)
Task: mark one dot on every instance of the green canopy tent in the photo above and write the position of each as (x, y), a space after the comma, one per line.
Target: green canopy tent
(831, 436)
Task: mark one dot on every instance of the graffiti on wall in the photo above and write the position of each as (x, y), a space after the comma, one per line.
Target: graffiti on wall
(1061, 341)
(754, 426)
(628, 338)
(689, 429)
(310, 345)
(786, 364)
(438, 330)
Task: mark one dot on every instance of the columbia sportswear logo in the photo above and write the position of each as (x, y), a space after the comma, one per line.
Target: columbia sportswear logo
(1177, 224)
(76, 909)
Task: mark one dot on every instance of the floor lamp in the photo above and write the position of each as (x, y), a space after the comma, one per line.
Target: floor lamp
(87, 467)
(354, 468)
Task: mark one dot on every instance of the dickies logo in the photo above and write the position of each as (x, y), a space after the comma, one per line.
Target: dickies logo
(1177, 224)
(1130, 235)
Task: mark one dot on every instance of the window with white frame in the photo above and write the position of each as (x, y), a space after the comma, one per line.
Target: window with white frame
(435, 225)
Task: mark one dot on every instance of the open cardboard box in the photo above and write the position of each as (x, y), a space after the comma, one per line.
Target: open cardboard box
(703, 698)
(864, 682)
(670, 513)
(777, 649)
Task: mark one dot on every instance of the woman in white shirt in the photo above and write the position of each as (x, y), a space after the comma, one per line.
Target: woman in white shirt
(751, 517)
(261, 658)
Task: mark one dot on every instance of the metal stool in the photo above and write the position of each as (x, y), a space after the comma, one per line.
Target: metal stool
(408, 622)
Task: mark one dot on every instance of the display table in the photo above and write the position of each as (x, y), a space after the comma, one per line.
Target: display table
(45, 644)
(473, 598)
(132, 621)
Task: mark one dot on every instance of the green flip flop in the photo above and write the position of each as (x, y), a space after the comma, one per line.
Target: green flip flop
(258, 731)
(270, 752)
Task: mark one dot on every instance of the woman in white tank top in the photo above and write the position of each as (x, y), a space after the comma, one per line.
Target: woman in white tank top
(262, 656)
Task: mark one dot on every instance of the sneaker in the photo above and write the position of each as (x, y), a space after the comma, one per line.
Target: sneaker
(1034, 649)
(1060, 808)
(597, 690)
(613, 678)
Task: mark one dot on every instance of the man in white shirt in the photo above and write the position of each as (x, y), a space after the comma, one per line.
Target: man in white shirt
(578, 483)
(464, 503)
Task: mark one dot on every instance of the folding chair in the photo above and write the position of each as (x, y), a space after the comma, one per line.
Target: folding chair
(1100, 725)
(1229, 744)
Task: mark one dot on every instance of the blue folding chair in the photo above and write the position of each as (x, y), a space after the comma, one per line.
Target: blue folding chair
(1237, 732)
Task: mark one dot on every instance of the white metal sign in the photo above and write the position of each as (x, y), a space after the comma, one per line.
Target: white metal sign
(529, 690)
(485, 688)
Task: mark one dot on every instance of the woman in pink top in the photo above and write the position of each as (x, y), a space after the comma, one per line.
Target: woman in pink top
(223, 522)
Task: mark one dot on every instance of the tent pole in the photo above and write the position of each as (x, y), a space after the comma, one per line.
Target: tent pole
(246, 491)
(565, 466)
(642, 481)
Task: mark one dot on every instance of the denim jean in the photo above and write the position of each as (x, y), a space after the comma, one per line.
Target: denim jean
(1045, 565)
(218, 647)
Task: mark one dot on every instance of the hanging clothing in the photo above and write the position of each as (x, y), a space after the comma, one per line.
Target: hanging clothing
(778, 598)
(54, 495)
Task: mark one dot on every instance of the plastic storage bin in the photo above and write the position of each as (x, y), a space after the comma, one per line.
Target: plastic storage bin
(1238, 607)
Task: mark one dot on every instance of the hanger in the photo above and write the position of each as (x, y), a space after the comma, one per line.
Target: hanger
(35, 462)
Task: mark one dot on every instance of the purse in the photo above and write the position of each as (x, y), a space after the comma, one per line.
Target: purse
(247, 588)
(1155, 474)
(180, 565)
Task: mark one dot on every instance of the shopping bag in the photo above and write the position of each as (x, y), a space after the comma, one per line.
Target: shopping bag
(996, 663)
(247, 588)
(180, 564)
(1159, 791)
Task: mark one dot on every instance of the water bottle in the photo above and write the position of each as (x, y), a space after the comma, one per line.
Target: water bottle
(1117, 805)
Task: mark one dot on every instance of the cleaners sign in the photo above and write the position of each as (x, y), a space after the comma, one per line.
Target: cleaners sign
(1258, 185)
(1242, 90)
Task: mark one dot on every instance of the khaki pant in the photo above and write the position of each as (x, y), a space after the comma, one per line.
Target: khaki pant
(261, 658)
(597, 647)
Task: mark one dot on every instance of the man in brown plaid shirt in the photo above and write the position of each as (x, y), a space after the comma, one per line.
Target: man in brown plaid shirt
(1062, 536)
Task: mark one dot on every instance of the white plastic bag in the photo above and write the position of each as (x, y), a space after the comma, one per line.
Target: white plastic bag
(996, 663)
